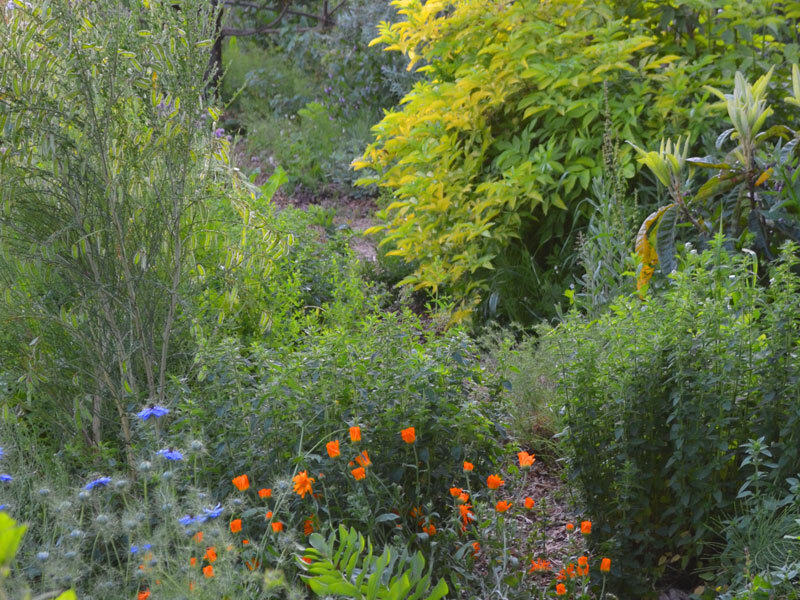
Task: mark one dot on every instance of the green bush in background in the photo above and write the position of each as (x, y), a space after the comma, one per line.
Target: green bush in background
(489, 158)
(660, 397)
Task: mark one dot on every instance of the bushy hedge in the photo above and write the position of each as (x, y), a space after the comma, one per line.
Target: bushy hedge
(661, 396)
(489, 159)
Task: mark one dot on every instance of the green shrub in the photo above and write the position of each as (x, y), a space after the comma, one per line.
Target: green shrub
(490, 157)
(660, 396)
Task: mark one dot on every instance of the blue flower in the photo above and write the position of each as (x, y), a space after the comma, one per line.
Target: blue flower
(154, 410)
(213, 513)
(218, 133)
(5, 477)
(186, 520)
(134, 549)
(170, 454)
(1, 451)
(3, 506)
(100, 481)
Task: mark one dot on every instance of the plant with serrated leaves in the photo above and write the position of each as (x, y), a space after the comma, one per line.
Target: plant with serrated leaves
(737, 199)
(339, 567)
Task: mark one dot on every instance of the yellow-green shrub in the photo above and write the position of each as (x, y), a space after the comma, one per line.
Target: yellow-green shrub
(508, 125)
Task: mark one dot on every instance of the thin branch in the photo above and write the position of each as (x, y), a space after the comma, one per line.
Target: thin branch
(268, 28)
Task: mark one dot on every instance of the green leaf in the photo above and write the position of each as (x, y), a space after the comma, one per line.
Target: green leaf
(665, 239)
(10, 537)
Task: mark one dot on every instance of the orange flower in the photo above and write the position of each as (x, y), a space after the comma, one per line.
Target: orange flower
(561, 589)
(192, 561)
(245, 542)
(333, 448)
(269, 514)
(355, 434)
(583, 566)
(302, 483)
(143, 595)
(208, 571)
(570, 526)
(308, 527)
(430, 530)
(198, 537)
(468, 466)
(252, 565)
(416, 511)
(539, 565)
(236, 525)
(529, 502)
(363, 459)
(494, 482)
(306, 559)
(455, 491)
(466, 514)
(476, 546)
(359, 473)
(191, 586)
(463, 497)
(409, 435)
(605, 565)
(277, 526)
(211, 554)
(526, 460)
(241, 482)
(502, 506)
(265, 493)
(586, 527)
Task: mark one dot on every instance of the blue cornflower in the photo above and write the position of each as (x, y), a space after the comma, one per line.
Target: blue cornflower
(154, 410)
(3, 506)
(1, 451)
(186, 520)
(218, 133)
(134, 549)
(213, 513)
(5, 477)
(170, 454)
(100, 481)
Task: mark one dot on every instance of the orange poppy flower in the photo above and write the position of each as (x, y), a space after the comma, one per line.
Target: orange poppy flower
(192, 561)
(265, 492)
(468, 466)
(586, 527)
(539, 565)
(333, 448)
(416, 511)
(466, 514)
(430, 530)
(308, 527)
(462, 497)
(198, 537)
(409, 435)
(143, 595)
(363, 459)
(502, 506)
(211, 554)
(359, 473)
(455, 491)
(476, 546)
(302, 483)
(526, 460)
(241, 482)
(561, 589)
(277, 526)
(252, 565)
(236, 525)
(570, 526)
(208, 571)
(605, 565)
(529, 502)
(245, 542)
(269, 514)
(494, 482)
(355, 434)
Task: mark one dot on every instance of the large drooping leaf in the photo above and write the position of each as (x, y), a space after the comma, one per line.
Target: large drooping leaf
(645, 249)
